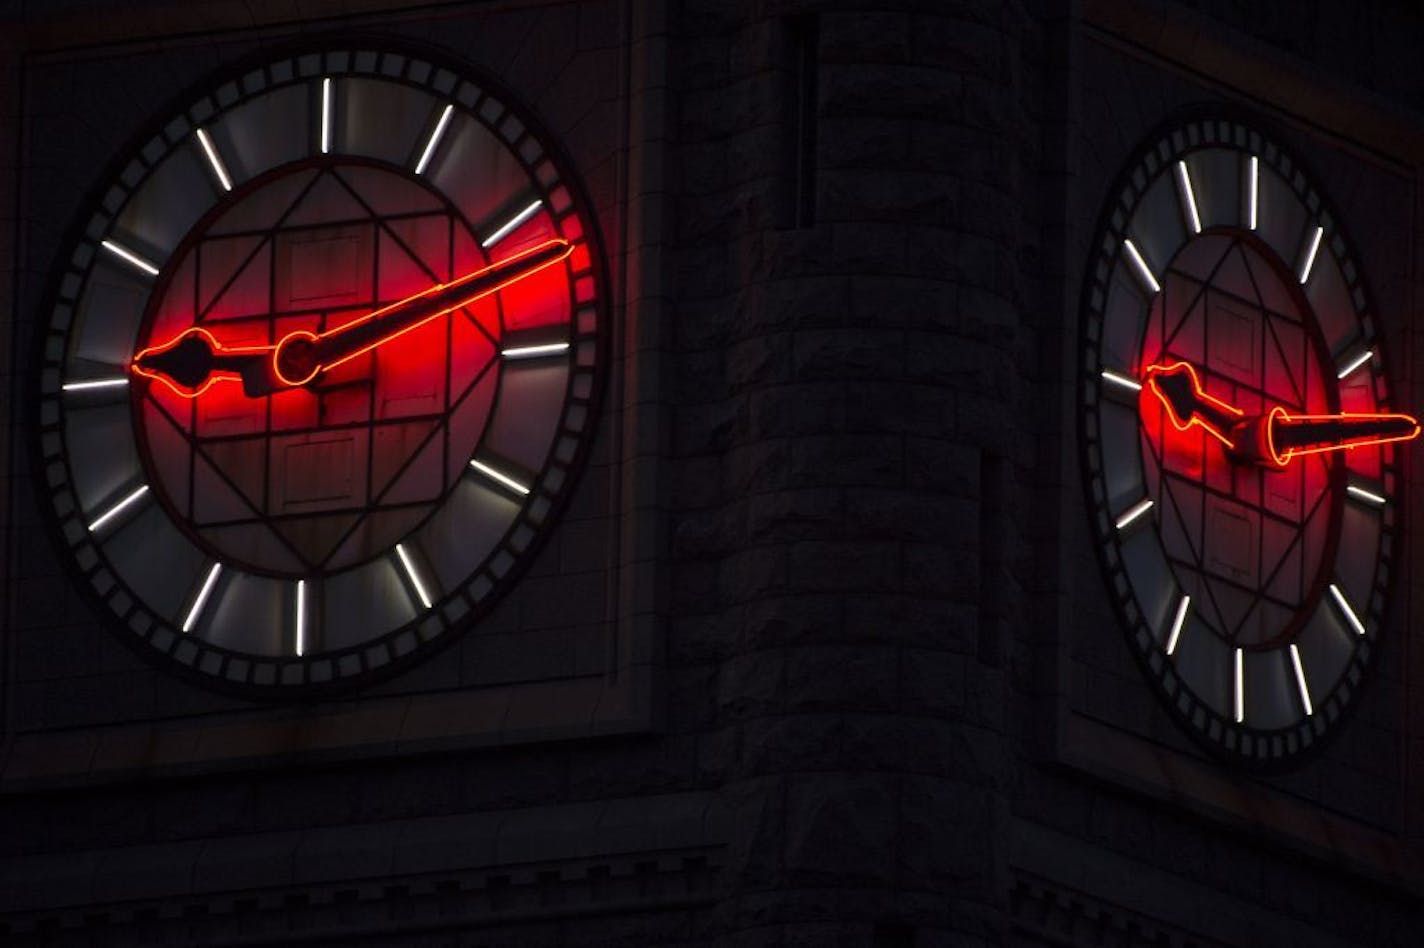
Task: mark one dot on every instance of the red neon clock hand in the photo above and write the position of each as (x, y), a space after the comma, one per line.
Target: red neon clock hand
(1274, 437)
(194, 360)
(1180, 390)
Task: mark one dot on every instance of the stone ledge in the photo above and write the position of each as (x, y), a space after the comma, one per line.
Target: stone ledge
(1244, 64)
(427, 723)
(624, 856)
(1239, 804)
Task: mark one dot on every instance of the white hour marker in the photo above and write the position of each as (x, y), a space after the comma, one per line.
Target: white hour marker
(118, 508)
(1355, 363)
(1188, 196)
(1240, 689)
(1309, 263)
(499, 477)
(325, 117)
(1346, 611)
(534, 352)
(218, 168)
(89, 385)
(1251, 190)
(301, 617)
(1122, 381)
(1368, 496)
(509, 225)
(434, 139)
(413, 576)
(124, 253)
(1143, 270)
(202, 597)
(1300, 680)
(1133, 512)
(1177, 623)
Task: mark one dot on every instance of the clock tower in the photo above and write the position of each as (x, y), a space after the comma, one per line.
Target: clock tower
(620, 473)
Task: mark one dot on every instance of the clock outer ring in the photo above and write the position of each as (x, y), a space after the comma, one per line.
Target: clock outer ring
(290, 677)
(1242, 745)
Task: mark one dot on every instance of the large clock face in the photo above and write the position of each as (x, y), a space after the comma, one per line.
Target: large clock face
(1240, 445)
(321, 369)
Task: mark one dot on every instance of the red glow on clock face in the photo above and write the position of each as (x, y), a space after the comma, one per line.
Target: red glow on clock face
(1273, 438)
(334, 467)
(1251, 543)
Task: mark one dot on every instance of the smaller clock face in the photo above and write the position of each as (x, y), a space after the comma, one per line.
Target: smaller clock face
(1239, 441)
(321, 370)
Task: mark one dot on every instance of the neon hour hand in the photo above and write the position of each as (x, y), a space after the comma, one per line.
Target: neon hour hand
(194, 360)
(1178, 388)
(1273, 438)
(191, 362)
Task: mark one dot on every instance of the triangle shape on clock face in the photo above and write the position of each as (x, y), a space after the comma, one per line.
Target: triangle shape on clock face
(315, 537)
(472, 353)
(216, 498)
(1183, 316)
(244, 463)
(234, 278)
(1180, 521)
(1233, 277)
(327, 203)
(467, 423)
(374, 186)
(373, 534)
(423, 479)
(1286, 352)
(1201, 256)
(540, 300)
(482, 317)
(400, 454)
(1234, 606)
(1265, 621)
(1281, 556)
(1271, 287)
(466, 251)
(168, 447)
(277, 197)
(1196, 586)
(255, 543)
(414, 255)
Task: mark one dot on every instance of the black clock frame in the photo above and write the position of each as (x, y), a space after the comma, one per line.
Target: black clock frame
(1219, 126)
(319, 675)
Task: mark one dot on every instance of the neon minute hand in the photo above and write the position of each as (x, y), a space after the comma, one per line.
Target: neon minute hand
(193, 360)
(1273, 438)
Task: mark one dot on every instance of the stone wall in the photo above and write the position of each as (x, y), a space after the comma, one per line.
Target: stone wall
(852, 677)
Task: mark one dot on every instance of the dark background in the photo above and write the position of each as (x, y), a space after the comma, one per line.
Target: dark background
(849, 675)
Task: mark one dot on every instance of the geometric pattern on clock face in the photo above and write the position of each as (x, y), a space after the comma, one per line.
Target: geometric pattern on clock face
(331, 527)
(322, 477)
(1251, 594)
(1249, 543)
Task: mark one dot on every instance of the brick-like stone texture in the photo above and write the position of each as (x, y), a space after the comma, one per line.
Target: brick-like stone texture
(836, 484)
(852, 375)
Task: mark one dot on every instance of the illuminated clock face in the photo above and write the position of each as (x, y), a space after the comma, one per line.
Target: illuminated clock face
(321, 370)
(1240, 442)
